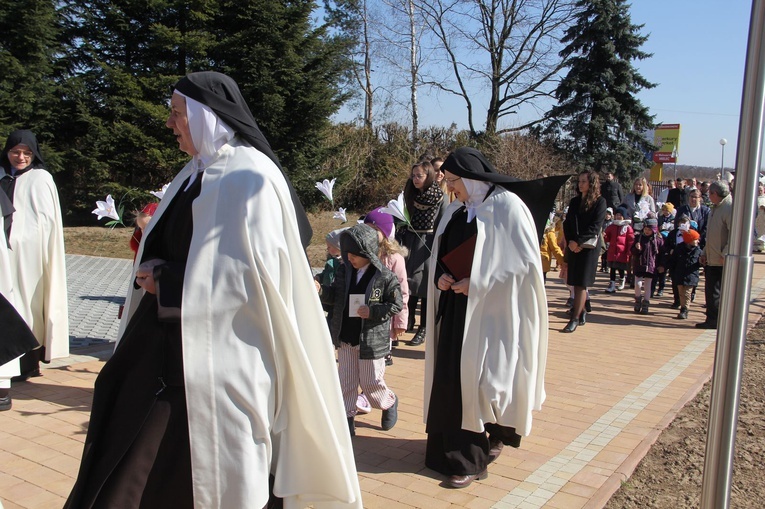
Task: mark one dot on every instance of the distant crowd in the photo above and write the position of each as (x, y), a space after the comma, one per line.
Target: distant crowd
(652, 245)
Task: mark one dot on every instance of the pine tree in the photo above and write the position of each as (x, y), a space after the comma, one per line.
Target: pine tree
(28, 44)
(290, 72)
(598, 119)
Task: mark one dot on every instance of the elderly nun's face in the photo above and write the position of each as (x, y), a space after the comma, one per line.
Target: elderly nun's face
(178, 121)
(455, 185)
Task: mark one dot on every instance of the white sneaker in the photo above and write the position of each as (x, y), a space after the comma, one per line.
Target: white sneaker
(611, 287)
(624, 281)
(362, 404)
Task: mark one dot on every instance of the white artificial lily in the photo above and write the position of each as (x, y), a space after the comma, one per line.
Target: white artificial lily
(396, 208)
(340, 214)
(161, 193)
(106, 209)
(326, 188)
(643, 210)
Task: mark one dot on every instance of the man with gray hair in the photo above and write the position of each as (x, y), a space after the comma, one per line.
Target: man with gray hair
(713, 257)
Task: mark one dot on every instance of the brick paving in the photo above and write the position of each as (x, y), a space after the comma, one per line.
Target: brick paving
(612, 387)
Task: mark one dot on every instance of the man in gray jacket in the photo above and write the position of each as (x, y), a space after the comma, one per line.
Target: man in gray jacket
(713, 257)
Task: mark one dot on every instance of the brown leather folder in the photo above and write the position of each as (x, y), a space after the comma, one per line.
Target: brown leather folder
(459, 260)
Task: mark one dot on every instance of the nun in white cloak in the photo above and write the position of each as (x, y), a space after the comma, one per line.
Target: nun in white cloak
(223, 390)
(485, 358)
(36, 253)
(16, 338)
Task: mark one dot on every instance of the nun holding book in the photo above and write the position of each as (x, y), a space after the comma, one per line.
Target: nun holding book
(486, 353)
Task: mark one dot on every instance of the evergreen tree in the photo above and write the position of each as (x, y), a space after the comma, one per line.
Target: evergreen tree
(122, 57)
(29, 31)
(598, 119)
(290, 72)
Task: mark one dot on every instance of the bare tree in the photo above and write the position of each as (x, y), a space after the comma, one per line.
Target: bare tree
(353, 19)
(400, 28)
(509, 47)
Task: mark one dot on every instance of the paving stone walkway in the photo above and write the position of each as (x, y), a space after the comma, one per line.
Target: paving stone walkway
(612, 387)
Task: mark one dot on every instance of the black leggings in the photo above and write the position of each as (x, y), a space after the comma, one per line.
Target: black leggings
(613, 273)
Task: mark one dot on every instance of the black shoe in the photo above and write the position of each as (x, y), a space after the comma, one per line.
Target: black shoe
(26, 376)
(418, 338)
(588, 306)
(706, 325)
(390, 416)
(583, 318)
(463, 481)
(660, 293)
(388, 360)
(6, 403)
(644, 307)
(394, 343)
(571, 326)
(693, 296)
(683, 315)
(351, 426)
(638, 304)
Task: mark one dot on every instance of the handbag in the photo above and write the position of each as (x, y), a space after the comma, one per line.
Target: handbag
(591, 243)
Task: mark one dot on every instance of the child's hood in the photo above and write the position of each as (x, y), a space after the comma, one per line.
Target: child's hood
(366, 238)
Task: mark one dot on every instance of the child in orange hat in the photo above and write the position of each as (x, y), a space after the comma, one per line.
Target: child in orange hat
(685, 269)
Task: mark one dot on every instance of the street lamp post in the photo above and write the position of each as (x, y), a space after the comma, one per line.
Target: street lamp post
(723, 141)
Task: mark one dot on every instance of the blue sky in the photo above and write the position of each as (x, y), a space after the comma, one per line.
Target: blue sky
(699, 49)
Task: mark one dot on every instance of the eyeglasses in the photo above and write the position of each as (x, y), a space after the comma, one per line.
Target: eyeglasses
(452, 181)
(21, 153)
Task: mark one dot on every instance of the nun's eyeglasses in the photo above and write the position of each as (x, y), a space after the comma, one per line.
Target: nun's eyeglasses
(21, 153)
(452, 181)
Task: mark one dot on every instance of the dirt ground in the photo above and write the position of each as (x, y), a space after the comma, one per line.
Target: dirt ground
(670, 475)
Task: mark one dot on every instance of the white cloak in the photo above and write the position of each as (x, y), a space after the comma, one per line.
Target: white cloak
(10, 368)
(504, 346)
(38, 262)
(262, 389)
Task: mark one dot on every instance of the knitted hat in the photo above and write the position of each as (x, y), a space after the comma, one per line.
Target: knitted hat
(690, 236)
(381, 220)
(652, 224)
(669, 207)
(333, 237)
(609, 210)
(622, 211)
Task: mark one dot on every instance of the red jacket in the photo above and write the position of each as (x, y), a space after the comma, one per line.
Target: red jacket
(619, 246)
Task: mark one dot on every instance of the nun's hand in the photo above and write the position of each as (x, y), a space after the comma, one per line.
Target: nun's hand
(445, 282)
(462, 286)
(144, 275)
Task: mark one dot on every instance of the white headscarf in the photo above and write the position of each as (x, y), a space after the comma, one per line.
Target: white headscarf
(476, 190)
(208, 133)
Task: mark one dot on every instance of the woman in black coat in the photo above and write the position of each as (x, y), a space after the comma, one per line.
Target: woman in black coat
(584, 219)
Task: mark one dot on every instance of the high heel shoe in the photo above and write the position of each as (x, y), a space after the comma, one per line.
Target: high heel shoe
(583, 318)
(571, 326)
